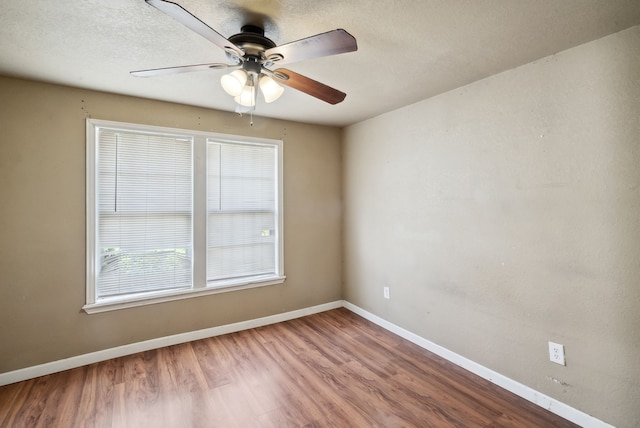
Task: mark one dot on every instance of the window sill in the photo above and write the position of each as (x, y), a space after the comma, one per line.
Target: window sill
(113, 304)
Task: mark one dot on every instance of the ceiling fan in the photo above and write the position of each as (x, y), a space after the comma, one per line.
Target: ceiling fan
(253, 55)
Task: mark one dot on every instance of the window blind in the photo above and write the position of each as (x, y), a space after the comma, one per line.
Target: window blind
(144, 212)
(241, 210)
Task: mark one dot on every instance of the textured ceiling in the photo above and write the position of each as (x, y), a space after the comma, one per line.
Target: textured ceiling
(409, 50)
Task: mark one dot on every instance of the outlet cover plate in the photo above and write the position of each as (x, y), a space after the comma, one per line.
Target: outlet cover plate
(556, 353)
(386, 292)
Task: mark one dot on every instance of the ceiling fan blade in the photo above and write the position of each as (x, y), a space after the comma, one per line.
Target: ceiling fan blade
(325, 44)
(181, 69)
(190, 21)
(308, 86)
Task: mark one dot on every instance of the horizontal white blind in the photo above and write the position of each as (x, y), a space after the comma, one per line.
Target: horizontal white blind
(241, 216)
(145, 205)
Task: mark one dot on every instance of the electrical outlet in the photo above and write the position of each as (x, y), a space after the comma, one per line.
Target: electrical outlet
(556, 353)
(386, 292)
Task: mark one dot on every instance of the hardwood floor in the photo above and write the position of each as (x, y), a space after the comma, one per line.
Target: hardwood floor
(332, 369)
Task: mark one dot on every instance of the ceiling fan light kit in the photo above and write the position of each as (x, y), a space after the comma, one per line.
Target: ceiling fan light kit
(242, 88)
(247, 97)
(270, 89)
(234, 82)
(252, 54)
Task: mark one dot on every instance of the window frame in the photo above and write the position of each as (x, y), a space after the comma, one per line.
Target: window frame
(200, 286)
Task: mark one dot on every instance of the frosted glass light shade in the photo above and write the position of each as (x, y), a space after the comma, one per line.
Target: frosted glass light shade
(270, 89)
(247, 96)
(234, 82)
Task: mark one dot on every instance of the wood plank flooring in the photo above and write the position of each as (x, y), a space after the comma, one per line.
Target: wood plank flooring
(333, 369)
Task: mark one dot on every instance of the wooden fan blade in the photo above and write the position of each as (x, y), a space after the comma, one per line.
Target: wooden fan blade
(190, 21)
(325, 44)
(309, 86)
(181, 69)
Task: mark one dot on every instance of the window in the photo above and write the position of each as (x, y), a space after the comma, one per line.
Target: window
(174, 213)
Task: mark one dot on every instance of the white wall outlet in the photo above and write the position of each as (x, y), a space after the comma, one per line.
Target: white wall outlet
(386, 292)
(556, 353)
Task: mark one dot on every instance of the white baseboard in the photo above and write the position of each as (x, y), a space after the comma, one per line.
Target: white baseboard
(120, 351)
(542, 400)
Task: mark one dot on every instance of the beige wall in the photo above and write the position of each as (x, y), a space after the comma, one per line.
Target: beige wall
(506, 214)
(42, 224)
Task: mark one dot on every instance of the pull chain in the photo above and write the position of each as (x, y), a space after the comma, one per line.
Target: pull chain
(250, 117)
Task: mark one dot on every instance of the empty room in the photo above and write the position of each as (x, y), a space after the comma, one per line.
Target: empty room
(294, 213)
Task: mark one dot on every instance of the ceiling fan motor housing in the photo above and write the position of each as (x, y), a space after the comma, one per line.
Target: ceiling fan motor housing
(252, 34)
(253, 42)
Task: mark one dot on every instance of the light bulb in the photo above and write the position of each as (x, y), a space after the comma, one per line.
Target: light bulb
(270, 89)
(247, 96)
(234, 82)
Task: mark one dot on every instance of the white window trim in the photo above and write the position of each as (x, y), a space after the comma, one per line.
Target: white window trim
(200, 286)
